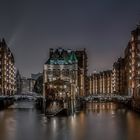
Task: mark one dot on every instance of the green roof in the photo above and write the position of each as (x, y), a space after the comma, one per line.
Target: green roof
(61, 59)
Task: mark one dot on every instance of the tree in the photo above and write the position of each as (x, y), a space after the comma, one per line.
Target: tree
(38, 87)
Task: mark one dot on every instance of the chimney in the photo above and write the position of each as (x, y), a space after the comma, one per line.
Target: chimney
(51, 52)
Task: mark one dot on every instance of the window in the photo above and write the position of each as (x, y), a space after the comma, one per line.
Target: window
(132, 38)
(138, 64)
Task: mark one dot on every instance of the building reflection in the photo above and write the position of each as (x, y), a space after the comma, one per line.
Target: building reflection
(101, 107)
(8, 124)
(133, 126)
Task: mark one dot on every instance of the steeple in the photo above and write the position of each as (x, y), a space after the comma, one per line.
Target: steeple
(3, 42)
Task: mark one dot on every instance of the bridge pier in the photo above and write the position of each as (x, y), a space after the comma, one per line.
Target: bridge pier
(55, 107)
(40, 104)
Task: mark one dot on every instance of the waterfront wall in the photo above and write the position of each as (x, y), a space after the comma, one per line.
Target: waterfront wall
(136, 104)
(5, 102)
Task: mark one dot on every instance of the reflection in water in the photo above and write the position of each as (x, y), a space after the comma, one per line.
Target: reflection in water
(99, 107)
(98, 121)
(133, 125)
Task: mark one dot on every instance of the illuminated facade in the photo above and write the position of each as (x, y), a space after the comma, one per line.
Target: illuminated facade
(82, 71)
(96, 83)
(106, 82)
(128, 69)
(90, 84)
(132, 60)
(132, 55)
(61, 75)
(119, 77)
(132, 67)
(7, 70)
(136, 35)
(18, 83)
(101, 83)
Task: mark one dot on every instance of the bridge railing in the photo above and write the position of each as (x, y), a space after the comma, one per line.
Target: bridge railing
(107, 97)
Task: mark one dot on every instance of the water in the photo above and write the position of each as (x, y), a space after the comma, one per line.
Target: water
(100, 121)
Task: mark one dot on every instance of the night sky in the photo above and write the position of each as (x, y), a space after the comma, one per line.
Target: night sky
(31, 27)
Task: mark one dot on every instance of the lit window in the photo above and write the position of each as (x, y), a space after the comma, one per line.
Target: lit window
(133, 48)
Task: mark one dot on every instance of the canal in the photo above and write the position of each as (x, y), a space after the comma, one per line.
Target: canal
(98, 121)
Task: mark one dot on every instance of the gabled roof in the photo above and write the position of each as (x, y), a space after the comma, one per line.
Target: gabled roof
(62, 57)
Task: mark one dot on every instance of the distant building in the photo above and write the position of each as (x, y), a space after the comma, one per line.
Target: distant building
(82, 71)
(105, 81)
(90, 84)
(18, 82)
(27, 84)
(119, 77)
(36, 76)
(24, 85)
(31, 83)
(96, 83)
(7, 70)
(32, 80)
(101, 83)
